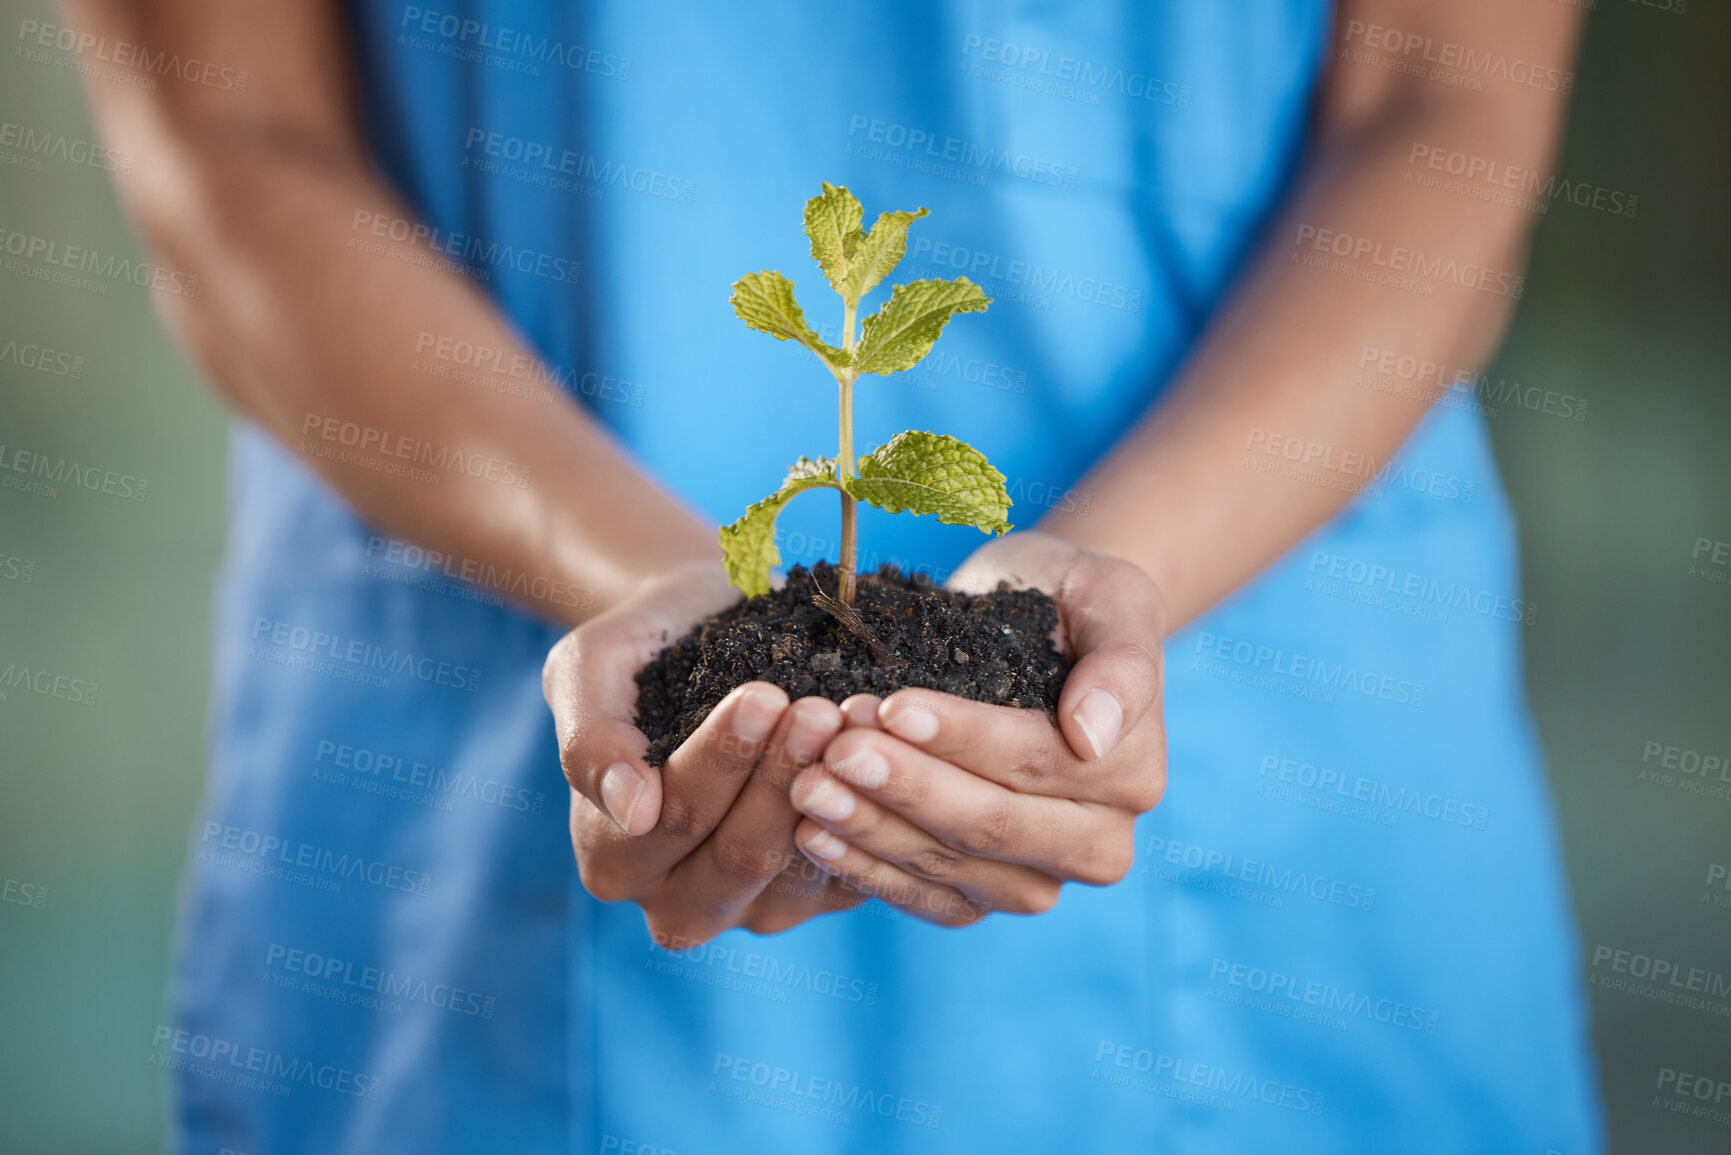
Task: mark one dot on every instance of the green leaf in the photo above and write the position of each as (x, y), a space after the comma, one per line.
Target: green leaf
(903, 331)
(853, 260)
(932, 473)
(765, 302)
(832, 221)
(748, 545)
(880, 252)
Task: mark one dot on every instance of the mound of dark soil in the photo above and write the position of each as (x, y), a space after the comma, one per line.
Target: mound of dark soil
(994, 647)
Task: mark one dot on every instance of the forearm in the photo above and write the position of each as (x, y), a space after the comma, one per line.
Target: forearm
(322, 333)
(1182, 496)
(326, 345)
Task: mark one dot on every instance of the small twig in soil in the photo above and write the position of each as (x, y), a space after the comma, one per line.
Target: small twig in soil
(849, 617)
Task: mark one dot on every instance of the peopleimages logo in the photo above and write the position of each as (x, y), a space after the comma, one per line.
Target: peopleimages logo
(64, 263)
(1421, 375)
(1327, 998)
(493, 361)
(224, 845)
(802, 1094)
(1687, 760)
(63, 471)
(1379, 577)
(1040, 71)
(1209, 1076)
(379, 766)
(960, 151)
(360, 983)
(476, 573)
(1706, 1088)
(1037, 280)
(1398, 259)
(543, 164)
(1486, 179)
(363, 655)
(21, 893)
(366, 440)
(777, 974)
(1453, 61)
(1322, 781)
(1662, 973)
(38, 35)
(1297, 458)
(1259, 872)
(47, 684)
(502, 47)
(42, 359)
(36, 146)
(228, 1061)
(471, 250)
(1253, 658)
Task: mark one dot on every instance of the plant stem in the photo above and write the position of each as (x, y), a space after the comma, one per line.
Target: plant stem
(844, 464)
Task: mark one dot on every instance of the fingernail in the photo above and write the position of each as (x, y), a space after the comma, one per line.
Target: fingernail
(865, 768)
(826, 845)
(1101, 717)
(829, 800)
(755, 716)
(813, 724)
(861, 709)
(620, 789)
(912, 724)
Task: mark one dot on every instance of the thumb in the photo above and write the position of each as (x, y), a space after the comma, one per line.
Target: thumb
(1113, 619)
(600, 747)
(590, 684)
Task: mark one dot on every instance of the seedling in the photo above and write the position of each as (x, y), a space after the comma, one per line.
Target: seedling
(913, 472)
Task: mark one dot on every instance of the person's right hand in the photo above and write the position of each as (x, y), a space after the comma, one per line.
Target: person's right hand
(951, 808)
(705, 842)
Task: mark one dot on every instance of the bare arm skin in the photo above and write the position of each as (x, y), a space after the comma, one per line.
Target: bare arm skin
(966, 801)
(257, 193)
(1174, 497)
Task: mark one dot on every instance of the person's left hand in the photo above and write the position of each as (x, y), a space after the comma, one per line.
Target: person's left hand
(941, 804)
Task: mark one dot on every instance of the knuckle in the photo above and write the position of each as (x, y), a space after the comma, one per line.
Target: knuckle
(905, 787)
(935, 862)
(563, 653)
(768, 922)
(745, 861)
(1035, 897)
(940, 905)
(573, 759)
(859, 827)
(777, 771)
(602, 881)
(1144, 789)
(1155, 792)
(1032, 768)
(897, 893)
(674, 932)
(1108, 861)
(956, 911)
(1136, 581)
(1141, 657)
(681, 819)
(982, 838)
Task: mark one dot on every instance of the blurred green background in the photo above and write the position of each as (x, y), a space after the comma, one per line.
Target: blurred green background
(1630, 649)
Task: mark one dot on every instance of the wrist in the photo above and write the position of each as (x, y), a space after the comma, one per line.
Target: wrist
(1162, 568)
(647, 560)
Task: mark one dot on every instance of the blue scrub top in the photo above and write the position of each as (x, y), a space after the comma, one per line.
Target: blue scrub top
(1347, 929)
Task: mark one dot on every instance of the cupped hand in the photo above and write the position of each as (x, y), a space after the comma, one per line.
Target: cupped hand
(705, 842)
(956, 807)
